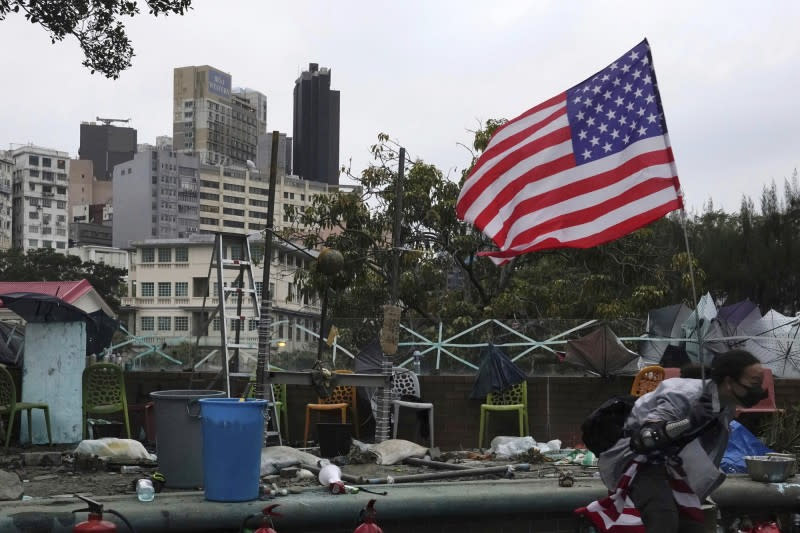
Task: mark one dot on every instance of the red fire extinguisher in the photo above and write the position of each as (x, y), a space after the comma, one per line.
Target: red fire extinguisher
(95, 523)
(367, 518)
(266, 515)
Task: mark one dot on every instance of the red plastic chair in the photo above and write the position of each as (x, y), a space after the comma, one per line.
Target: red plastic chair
(767, 405)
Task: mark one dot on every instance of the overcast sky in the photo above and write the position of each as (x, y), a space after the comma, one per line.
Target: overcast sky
(428, 71)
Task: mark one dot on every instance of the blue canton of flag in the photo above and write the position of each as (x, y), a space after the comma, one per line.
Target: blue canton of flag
(616, 107)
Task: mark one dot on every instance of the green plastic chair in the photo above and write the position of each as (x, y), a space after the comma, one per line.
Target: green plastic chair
(9, 404)
(104, 393)
(281, 406)
(513, 399)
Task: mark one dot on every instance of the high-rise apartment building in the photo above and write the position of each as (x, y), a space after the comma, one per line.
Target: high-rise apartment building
(235, 200)
(39, 198)
(210, 120)
(264, 153)
(106, 146)
(258, 101)
(155, 195)
(316, 126)
(6, 173)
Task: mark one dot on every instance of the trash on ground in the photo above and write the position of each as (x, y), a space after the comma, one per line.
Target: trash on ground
(388, 452)
(514, 446)
(275, 458)
(111, 448)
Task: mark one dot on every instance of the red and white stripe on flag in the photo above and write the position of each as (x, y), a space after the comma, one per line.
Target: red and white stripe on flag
(583, 168)
(616, 513)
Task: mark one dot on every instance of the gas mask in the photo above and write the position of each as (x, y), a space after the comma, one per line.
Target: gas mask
(753, 395)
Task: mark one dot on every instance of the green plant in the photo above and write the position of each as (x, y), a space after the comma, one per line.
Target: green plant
(781, 431)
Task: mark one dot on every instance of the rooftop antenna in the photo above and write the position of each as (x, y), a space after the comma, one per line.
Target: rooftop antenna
(108, 121)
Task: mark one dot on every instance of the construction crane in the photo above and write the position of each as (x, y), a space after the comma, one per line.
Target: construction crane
(108, 121)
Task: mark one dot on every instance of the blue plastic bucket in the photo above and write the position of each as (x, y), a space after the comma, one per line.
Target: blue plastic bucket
(233, 435)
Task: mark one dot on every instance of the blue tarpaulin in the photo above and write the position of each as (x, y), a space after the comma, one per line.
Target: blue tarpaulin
(740, 444)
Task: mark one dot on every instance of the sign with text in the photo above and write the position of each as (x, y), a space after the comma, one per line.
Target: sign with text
(219, 83)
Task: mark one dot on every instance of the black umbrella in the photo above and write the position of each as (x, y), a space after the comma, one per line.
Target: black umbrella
(496, 373)
(12, 340)
(44, 308)
(602, 353)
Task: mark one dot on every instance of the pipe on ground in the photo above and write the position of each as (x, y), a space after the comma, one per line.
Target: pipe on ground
(413, 478)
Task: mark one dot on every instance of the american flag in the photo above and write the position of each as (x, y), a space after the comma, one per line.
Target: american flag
(586, 167)
(616, 513)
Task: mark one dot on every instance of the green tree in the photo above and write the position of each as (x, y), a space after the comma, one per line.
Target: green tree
(96, 25)
(44, 264)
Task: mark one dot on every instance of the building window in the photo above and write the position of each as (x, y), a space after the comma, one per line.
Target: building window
(164, 323)
(164, 289)
(232, 211)
(148, 323)
(181, 255)
(252, 324)
(46, 162)
(215, 324)
(165, 255)
(148, 255)
(236, 252)
(47, 244)
(181, 323)
(61, 245)
(148, 289)
(33, 160)
(61, 204)
(61, 164)
(181, 288)
(233, 224)
(33, 215)
(33, 243)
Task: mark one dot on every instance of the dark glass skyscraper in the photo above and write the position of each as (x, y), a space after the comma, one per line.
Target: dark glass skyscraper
(316, 126)
(106, 145)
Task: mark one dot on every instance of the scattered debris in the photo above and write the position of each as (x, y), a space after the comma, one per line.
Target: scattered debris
(565, 479)
(41, 459)
(10, 486)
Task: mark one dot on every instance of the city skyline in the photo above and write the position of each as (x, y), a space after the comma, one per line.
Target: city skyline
(726, 76)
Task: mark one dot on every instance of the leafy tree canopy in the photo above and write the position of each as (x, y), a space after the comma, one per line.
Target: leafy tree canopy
(96, 24)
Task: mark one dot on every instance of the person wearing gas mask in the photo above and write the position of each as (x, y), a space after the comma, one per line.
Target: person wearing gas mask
(668, 460)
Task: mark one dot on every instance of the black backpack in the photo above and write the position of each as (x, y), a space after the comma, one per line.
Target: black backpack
(604, 427)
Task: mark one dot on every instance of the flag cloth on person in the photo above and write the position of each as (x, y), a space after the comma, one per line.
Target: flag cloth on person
(583, 168)
(617, 514)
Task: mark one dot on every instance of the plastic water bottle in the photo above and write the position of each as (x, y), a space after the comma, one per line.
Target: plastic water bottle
(417, 364)
(145, 490)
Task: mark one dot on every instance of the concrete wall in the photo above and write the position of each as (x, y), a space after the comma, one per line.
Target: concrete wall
(55, 356)
(457, 417)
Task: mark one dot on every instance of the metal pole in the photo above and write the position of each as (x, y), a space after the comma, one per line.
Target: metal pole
(265, 321)
(322, 312)
(385, 393)
(694, 297)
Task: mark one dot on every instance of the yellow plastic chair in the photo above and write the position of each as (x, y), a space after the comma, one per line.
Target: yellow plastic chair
(512, 399)
(281, 406)
(341, 398)
(647, 380)
(104, 393)
(9, 404)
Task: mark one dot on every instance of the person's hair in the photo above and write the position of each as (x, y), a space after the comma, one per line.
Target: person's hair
(694, 371)
(731, 364)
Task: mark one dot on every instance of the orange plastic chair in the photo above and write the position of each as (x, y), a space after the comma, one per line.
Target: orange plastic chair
(647, 380)
(341, 398)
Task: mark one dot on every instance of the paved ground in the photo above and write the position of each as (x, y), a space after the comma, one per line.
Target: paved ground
(98, 479)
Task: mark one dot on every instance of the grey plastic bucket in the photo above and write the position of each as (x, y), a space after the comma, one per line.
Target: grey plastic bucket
(179, 436)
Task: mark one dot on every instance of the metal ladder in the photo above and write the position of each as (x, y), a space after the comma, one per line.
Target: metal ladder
(233, 315)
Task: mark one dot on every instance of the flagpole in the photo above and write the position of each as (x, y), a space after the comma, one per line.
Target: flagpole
(694, 296)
